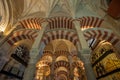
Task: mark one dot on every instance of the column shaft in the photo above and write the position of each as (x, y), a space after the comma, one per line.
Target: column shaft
(52, 68)
(88, 67)
(71, 67)
(81, 37)
(39, 37)
(29, 73)
(84, 53)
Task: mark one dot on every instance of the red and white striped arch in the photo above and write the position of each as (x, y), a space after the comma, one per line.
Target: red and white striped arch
(62, 64)
(44, 63)
(21, 35)
(90, 22)
(47, 53)
(63, 72)
(32, 23)
(77, 64)
(60, 22)
(101, 34)
(64, 53)
(60, 34)
(60, 75)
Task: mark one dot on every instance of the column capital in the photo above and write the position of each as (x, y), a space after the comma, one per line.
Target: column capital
(77, 23)
(44, 24)
(81, 37)
(37, 42)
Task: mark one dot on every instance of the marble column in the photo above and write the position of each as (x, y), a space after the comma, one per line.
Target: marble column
(3, 61)
(40, 35)
(29, 73)
(52, 68)
(71, 67)
(84, 53)
(83, 43)
(85, 57)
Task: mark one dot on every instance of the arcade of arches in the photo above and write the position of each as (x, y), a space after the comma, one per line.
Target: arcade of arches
(59, 40)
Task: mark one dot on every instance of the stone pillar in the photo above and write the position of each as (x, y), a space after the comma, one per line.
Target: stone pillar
(85, 57)
(39, 37)
(84, 53)
(29, 73)
(52, 68)
(71, 67)
(3, 61)
(81, 37)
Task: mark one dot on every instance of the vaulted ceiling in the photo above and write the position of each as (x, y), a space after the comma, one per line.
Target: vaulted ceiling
(45, 8)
